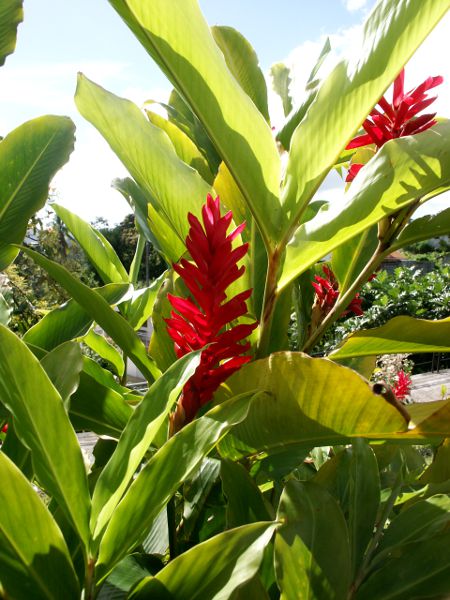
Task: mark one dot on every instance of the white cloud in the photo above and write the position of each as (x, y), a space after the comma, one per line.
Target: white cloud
(354, 5)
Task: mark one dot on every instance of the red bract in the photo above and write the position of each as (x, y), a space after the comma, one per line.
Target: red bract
(205, 317)
(402, 386)
(398, 118)
(327, 292)
(5, 428)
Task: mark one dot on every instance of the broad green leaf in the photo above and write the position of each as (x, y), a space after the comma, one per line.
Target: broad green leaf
(11, 15)
(243, 63)
(437, 424)
(304, 401)
(149, 221)
(141, 305)
(280, 83)
(422, 520)
(231, 197)
(29, 158)
(63, 366)
(160, 478)
(98, 407)
(402, 171)
(245, 503)
(350, 258)
(99, 344)
(363, 499)
(97, 248)
(312, 551)
(112, 322)
(69, 320)
(178, 38)
(42, 425)
(400, 334)
(184, 146)
(136, 439)
(424, 228)
(333, 475)
(419, 569)
(147, 153)
(161, 347)
(391, 34)
(195, 494)
(34, 559)
(212, 569)
(284, 135)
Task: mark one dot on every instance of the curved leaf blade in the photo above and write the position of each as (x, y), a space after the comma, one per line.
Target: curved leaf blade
(392, 32)
(34, 559)
(312, 551)
(41, 423)
(424, 228)
(400, 334)
(97, 248)
(305, 401)
(212, 569)
(404, 170)
(11, 15)
(161, 477)
(171, 30)
(29, 158)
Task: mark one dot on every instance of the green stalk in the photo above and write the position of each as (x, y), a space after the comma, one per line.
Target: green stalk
(137, 259)
(269, 302)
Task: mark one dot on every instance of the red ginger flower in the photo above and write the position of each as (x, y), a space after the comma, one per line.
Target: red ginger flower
(5, 428)
(327, 292)
(203, 317)
(398, 118)
(403, 385)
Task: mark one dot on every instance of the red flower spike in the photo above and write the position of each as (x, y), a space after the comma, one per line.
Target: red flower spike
(403, 385)
(398, 118)
(5, 428)
(327, 292)
(205, 317)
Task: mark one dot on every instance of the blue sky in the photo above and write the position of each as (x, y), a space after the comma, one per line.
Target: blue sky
(59, 38)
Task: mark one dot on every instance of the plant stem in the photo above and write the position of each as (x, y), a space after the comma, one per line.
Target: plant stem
(137, 259)
(269, 301)
(90, 580)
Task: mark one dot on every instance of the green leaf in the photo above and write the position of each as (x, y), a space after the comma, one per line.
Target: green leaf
(178, 38)
(149, 221)
(161, 344)
(184, 146)
(42, 425)
(99, 344)
(112, 323)
(420, 521)
(419, 569)
(63, 366)
(284, 135)
(141, 305)
(69, 320)
(402, 171)
(13, 448)
(243, 63)
(304, 401)
(11, 15)
(399, 335)
(312, 552)
(213, 569)
(231, 196)
(392, 32)
(363, 499)
(350, 258)
(34, 559)
(157, 482)
(29, 158)
(195, 494)
(424, 228)
(97, 248)
(136, 439)
(97, 407)
(245, 501)
(147, 153)
(5, 310)
(280, 83)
